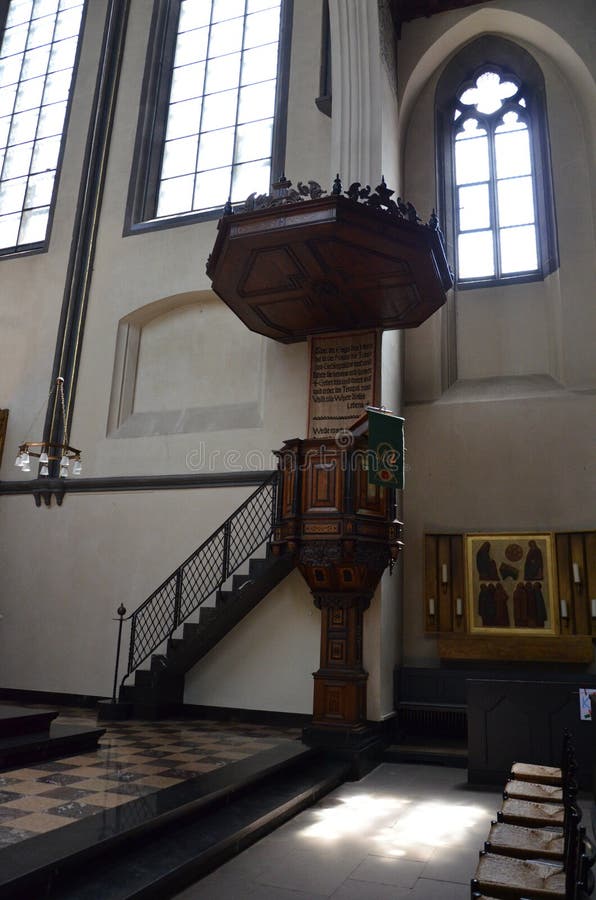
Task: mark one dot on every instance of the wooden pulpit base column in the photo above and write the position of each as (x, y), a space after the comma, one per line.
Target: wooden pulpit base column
(340, 683)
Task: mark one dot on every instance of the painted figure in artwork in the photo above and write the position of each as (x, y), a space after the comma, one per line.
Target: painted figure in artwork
(486, 604)
(501, 609)
(520, 607)
(539, 604)
(533, 566)
(487, 567)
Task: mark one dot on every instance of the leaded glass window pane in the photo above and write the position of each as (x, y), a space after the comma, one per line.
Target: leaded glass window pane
(493, 180)
(37, 56)
(221, 104)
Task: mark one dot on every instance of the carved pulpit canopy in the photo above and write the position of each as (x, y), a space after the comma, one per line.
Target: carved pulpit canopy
(301, 262)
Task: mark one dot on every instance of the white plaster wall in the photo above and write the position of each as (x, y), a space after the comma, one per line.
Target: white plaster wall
(31, 287)
(510, 445)
(501, 465)
(138, 270)
(267, 661)
(65, 570)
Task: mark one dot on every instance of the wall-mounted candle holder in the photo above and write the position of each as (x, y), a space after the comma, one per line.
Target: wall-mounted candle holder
(593, 607)
(576, 573)
(431, 607)
(564, 610)
(444, 577)
(459, 607)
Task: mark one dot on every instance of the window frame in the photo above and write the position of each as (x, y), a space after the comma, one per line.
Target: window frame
(35, 247)
(512, 62)
(152, 120)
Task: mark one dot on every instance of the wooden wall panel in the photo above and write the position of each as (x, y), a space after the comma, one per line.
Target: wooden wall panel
(457, 583)
(591, 577)
(443, 558)
(430, 583)
(579, 589)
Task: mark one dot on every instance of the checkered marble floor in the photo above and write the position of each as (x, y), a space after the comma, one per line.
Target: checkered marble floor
(134, 759)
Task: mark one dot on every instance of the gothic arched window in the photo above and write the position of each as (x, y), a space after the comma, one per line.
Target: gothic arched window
(494, 165)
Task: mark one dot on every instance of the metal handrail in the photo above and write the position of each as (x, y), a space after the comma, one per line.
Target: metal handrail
(202, 573)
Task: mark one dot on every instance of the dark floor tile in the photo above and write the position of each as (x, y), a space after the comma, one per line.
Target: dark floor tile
(132, 790)
(5, 780)
(60, 779)
(67, 793)
(7, 796)
(55, 766)
(122, 775)
(7, 813)
(220, 759)
(10, 836)
(153, 754)
(76, 809)
(187, 774)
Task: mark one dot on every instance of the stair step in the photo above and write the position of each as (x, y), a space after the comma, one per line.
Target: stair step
(207, 614)
(256, 566)
(224, 598)
(174, 644)
(239, 581)
(159, 662)
(148, 849)
(189, 630)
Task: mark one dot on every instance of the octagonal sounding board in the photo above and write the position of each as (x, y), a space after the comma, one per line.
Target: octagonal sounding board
(327, 265)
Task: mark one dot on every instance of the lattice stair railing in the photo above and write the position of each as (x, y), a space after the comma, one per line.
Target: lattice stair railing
(203, 573)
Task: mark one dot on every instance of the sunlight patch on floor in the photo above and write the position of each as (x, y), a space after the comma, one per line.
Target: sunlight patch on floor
(397, 824)
(354, 815)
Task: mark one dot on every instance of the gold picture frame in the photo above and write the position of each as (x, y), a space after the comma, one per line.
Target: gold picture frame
(511, 583)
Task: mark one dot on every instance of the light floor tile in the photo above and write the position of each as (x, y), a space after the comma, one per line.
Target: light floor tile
(309, 871)
(108, 801)
(42, 822)
(31, 804)
(426, 889)
(30, 788)
(384, 870)
(359, 890)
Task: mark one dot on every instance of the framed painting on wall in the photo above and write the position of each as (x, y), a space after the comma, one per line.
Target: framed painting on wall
(510, 584)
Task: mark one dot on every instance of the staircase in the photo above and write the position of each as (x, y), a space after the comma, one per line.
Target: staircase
(207, 587)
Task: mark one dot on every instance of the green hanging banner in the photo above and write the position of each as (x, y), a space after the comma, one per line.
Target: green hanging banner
(385, 449)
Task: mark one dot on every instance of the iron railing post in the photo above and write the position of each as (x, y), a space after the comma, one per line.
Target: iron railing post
(131, 646)
(178, 597)
(225, 563)
(121, 612)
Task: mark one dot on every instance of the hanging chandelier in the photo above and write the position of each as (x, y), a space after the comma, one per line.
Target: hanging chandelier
(50, 451)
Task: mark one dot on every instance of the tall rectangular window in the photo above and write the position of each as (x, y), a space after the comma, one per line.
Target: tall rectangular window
(37, 59)
(212, 120)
